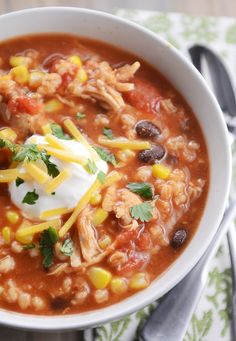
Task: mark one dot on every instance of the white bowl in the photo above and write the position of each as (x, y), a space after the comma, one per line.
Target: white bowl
(192, 86)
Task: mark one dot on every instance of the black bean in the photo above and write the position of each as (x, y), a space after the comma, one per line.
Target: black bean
(152, 155)
(147, 129)
(59, 303)
(178, 238)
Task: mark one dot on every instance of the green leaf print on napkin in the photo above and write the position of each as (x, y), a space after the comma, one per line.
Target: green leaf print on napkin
(230, 37)
(221, 283)
(114, 332)
(158, 23)
(199, 327)
(199, 28)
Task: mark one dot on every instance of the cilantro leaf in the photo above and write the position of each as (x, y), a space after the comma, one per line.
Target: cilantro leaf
(47, 241)
(101, 177)
(7, 144)
(58, 132)
(19, 181)
(30, 198)
(108, 133)
(29, 246)
(30, 152)
(106, 155)
(142, 212)
(67, 247)
(91, 167)
(26, 152)
(144, 189)
(51, 167)
(80, 115)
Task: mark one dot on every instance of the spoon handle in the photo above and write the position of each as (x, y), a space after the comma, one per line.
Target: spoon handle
(170, 319)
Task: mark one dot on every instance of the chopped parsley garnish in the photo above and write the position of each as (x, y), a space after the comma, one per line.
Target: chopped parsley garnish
(29, 246)
(80, 115)
(51, 167)
(19, 181)
(144, 189)
(101, 177)
(30, 198)
(142, 212)
(6, 144)
(26, 152)
(106, 155)
(47, 241)
(108, 133)
(21, 152)
(58, 132)
(67, 247)
(30, 152)
(91, 167)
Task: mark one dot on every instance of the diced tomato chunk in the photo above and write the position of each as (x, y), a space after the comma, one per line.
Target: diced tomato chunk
(124, 238)
(136, 262)
(24, 104)
(144, 97)
(144, 242)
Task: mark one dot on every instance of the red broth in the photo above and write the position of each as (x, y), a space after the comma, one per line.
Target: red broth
(123, 253)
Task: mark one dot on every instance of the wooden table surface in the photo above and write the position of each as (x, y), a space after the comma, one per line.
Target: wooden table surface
(195, 7)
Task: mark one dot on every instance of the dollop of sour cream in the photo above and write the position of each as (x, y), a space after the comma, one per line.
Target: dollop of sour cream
(68, 194)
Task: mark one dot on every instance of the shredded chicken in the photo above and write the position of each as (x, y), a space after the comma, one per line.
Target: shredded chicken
(88, 242)
(105, 84)
(120, 203)
(58, 269)
(110, 198)
(75, 258)
(126, 200)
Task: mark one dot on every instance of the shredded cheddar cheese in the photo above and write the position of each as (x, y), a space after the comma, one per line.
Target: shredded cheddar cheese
(30, 230)
(64, 155)
(72, 129)
(80, 206)
(56, 143)
(54, 212)
(112, 178)
(124, 143)
(36, 173)
(57, 181)
(8, 175)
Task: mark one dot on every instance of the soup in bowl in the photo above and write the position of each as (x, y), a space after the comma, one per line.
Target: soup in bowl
(105, 169)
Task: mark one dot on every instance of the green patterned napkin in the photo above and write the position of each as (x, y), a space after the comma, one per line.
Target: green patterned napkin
(210, 321)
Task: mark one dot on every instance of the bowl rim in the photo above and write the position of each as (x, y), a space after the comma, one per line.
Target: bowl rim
(103, 315)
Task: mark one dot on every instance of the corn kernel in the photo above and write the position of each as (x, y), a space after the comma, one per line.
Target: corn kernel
(20, 74)
(125, 155)
(53, 105)
(104, 241)
(35, 79)
(75, 60)
(160, 171)
(119, 285)
(99, 216)
(139, 281)
(96, 198)
(47, 129)
(6, 233)
(18, 61)
(25, 239)
(12, 217)
(6, 77)
(99, 277)
(82, 75)
(8, 134)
